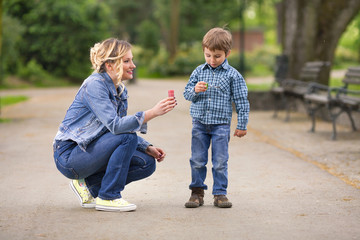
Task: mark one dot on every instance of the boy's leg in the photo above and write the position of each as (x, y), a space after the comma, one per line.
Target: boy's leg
(200, 143)
(199, 156)
(220, 155)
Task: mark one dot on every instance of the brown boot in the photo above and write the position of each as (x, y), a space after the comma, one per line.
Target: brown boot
(196, 198)
(222, 201)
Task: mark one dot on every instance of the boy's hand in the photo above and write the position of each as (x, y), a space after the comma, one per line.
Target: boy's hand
(240, 133)
(200, 87)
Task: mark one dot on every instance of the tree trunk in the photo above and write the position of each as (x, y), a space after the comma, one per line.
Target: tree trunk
(312, 29)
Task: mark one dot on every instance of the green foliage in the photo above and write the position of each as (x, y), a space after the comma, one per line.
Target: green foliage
(257, 63)
(32, 72)
(47, 40)
(149, 36)
(184, 63)
(59, 33)
(345, 57)
(261, 61)
(35, 75)
(12, 38)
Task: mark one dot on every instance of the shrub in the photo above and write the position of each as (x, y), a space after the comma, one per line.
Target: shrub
(33, 72)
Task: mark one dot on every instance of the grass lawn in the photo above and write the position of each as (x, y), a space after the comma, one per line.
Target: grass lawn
(9, 100)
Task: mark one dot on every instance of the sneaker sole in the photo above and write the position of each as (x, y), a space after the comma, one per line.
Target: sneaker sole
(84, 205)
(115, 209)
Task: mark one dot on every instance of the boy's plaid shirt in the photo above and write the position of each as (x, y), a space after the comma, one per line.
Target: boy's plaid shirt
(214, 106)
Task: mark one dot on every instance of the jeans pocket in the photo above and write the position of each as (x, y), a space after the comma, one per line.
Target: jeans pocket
(62, 150)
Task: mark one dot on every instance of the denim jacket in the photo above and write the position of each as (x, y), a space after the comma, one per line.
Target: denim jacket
(98, 108)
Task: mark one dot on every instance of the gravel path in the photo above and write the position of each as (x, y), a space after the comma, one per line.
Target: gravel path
(284, 182)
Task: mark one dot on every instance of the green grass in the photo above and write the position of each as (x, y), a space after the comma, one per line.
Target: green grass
(337, 82)
(9, 100)
(259, 87)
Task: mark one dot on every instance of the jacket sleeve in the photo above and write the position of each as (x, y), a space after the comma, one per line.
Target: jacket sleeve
(96, 98)
(142, 144)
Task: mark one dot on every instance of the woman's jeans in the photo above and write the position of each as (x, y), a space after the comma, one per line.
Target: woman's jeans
(219, 136)
(109, 163)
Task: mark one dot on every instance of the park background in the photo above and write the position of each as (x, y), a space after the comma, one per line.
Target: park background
(46, 43)
(286, 183)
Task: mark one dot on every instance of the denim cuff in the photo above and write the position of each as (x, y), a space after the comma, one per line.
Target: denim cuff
(140, 119)
(142, 144)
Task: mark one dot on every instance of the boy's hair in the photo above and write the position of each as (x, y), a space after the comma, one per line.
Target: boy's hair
(217, 39)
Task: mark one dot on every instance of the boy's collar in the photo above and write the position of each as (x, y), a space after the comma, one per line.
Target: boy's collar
(224, 65)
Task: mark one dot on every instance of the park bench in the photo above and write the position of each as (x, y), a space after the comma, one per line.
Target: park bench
(336, 100)
(291, 90)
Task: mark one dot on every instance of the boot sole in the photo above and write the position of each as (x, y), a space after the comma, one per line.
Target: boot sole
(223, 205)
(192, 205)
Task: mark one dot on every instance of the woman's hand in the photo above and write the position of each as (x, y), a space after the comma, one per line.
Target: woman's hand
(162, 107)
(157, 153)
(200, 87)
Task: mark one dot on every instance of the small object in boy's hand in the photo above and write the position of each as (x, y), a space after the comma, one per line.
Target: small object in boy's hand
(206, 86)
(171, 93)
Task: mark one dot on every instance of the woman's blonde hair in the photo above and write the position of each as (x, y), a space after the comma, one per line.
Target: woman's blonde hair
(110, 50)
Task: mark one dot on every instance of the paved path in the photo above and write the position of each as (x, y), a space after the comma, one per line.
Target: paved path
(285, 183)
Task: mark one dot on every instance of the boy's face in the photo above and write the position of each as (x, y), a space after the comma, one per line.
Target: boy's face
(215, 58)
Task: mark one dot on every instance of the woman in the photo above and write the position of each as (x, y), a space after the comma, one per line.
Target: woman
(96, 144)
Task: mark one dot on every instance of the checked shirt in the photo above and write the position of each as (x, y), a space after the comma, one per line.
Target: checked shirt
(225, 86)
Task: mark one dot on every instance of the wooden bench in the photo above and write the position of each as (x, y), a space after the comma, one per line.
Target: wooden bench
(336, 100)
(292, 90)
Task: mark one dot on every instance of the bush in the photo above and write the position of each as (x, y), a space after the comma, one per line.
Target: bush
(33, 72)
(257, 63)
(344, 58)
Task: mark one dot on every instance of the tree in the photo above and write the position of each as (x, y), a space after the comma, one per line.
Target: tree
(58, 34)
(312, 29)
(1, 61)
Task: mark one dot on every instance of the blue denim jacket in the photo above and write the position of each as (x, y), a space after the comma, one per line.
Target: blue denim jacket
(98, 108)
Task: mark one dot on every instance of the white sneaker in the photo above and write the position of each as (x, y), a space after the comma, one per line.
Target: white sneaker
(83, 194)
(115, 205)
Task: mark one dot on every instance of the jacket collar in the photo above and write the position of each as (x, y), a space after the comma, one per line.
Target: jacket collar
(110, 84)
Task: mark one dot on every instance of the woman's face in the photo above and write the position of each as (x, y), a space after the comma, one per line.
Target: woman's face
(128, 66)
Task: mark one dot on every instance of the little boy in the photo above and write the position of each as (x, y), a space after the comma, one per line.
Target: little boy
(212, 88)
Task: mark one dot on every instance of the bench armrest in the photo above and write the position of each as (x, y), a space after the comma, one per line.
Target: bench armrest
(317, 87)
(346, 91)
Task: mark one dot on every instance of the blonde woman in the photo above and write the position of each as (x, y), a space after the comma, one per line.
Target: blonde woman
(96, 145)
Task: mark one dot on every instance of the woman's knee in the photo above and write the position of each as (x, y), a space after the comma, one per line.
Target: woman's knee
(143, 160)
(130, 138)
